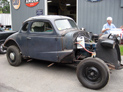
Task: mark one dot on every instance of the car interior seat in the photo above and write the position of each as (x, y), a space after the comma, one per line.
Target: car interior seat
(38, 29)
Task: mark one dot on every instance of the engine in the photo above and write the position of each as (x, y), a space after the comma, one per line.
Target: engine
(81, 43)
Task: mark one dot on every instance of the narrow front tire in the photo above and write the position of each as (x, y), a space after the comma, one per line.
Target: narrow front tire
(13, 56)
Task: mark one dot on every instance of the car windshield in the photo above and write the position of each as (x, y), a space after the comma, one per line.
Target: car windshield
(65, 24)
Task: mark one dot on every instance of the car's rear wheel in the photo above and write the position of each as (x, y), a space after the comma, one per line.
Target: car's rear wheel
(2, 51)
(13, 56)
(93, 73)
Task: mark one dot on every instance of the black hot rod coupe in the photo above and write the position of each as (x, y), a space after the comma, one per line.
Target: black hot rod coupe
(58, 39)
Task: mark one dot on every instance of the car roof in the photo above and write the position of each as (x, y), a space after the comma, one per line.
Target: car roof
(47, 17)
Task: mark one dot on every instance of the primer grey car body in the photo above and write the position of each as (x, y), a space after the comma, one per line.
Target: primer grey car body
(43, 46)
(59, 43)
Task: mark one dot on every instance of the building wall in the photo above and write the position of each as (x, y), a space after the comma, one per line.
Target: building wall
(92, 15)
(24, 12)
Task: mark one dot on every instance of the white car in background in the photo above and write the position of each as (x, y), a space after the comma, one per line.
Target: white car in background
(117, 31)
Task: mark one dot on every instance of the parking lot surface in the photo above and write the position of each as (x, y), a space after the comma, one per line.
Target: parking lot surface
(35, 76)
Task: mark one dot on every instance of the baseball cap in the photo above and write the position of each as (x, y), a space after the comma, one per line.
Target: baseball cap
(109, 18)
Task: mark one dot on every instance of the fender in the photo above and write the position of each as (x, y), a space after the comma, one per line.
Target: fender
(9, 42)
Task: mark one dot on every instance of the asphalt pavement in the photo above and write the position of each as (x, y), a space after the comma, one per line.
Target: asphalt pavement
(35, 76)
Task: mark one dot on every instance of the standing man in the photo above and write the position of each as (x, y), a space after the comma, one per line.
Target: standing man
(108, 26)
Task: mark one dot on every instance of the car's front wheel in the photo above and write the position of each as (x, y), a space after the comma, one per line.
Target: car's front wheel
(14, 56)
(93, 73)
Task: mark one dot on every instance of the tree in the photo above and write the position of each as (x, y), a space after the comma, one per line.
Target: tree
(6, 6)
(1, 10)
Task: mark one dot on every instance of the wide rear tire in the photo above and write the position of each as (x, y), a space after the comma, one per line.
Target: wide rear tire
(13, 56)
(93, 73)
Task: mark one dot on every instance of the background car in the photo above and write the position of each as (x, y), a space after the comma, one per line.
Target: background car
(3, 35)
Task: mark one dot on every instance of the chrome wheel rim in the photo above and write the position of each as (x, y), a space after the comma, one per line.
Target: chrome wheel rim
(12, 56)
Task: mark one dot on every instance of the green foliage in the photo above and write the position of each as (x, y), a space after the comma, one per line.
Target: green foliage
(6, 6)
(1, 10)
(121, 49)
(6, 9)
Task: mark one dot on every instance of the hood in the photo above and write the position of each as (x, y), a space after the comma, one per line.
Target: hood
(70, 38)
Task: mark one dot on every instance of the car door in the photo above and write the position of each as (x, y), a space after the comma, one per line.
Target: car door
(42, 41)
(22, 39)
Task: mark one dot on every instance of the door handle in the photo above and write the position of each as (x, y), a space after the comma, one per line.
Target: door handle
(28, 38)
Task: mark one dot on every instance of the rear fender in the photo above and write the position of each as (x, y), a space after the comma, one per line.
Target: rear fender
(109, 54)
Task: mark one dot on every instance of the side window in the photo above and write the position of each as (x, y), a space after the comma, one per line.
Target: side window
(41, 27)
(25, 27)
